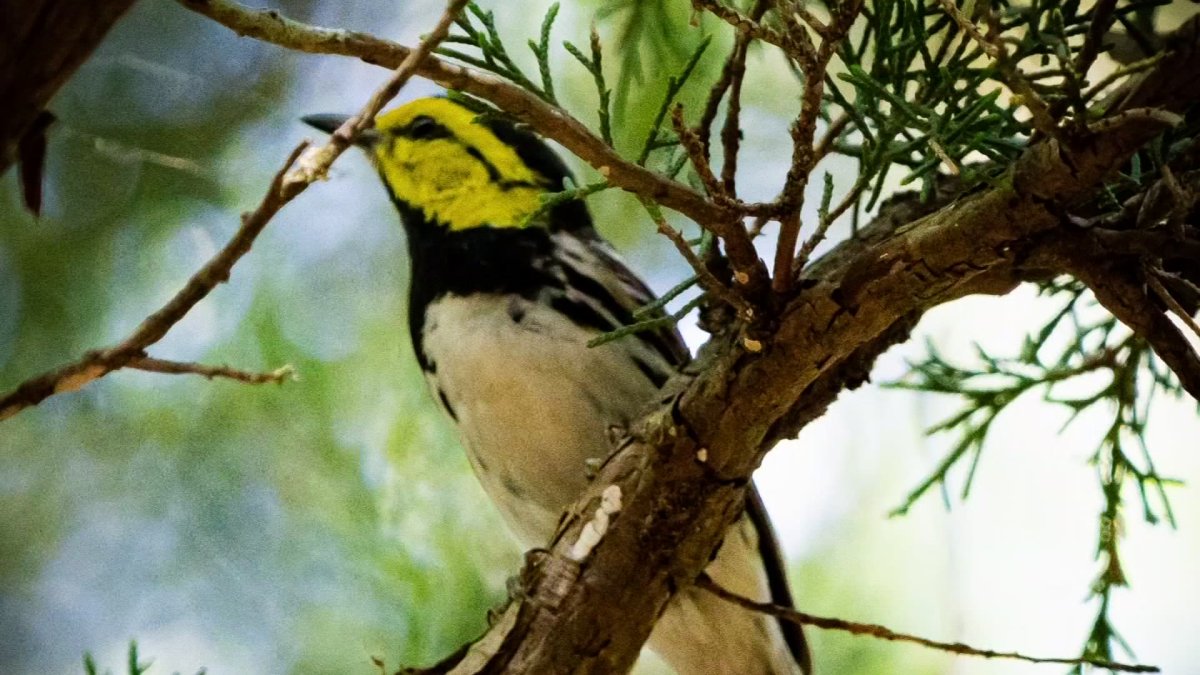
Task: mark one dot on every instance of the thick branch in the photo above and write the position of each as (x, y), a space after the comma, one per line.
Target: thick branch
(1118, 283)
(677, 501)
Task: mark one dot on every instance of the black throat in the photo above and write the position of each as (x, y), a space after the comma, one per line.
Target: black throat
(488, 260)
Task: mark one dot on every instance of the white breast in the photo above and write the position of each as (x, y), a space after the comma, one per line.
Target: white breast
(532, 402)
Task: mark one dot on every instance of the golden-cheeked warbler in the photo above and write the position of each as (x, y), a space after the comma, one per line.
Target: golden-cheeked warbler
(501, 309)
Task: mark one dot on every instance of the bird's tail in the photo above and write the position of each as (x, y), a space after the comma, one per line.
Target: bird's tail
(702, 634)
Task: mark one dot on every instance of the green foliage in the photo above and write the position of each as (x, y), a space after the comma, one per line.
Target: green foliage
(917, 82)
(675, 84)
(651, 42)
(595, 66)
(569, 193)
(656, 38)
(541, 50)
(1070, 351)
(924, 96)
(134, 664)
(494, 56)
(479, 32)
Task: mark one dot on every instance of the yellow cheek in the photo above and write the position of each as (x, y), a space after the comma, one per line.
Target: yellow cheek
(448, 177)
(464, 208)
(453, 188)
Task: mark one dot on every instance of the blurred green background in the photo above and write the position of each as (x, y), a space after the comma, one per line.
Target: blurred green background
(309, 527)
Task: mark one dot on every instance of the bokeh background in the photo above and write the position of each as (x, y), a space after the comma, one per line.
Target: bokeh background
(309, 527)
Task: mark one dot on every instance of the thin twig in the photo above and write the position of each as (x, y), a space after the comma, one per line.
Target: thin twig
(303, 166)
(757, 226)
(1191, 286)
(1075, 73)
(1039, 111)
(992, 49)
(1123, 71)
(741, 22)
(1181, 201)
(735, 62)
(813, 61)
(798, 8)
(832, 133)
(731, 78)
(731, 130)
(743, 257)
(1165, 295)
(785, 251)
(708, 281)
(800, 45)
(699, 158)
(153, 365)
(1102, 20)
(827, 219)
(549, 120)
(883, 633)
(947, 160)
(98, 363)
(313, 167)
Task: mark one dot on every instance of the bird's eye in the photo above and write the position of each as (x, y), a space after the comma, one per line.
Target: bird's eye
(424, 128)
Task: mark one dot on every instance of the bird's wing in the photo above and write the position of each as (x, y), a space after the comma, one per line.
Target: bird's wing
(781, 592)
(606, 283)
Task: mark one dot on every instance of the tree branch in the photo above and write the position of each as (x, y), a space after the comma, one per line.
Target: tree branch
(731, 80)
(1042, 118)
(551, 121)
(1170, 301)
(1119, 284)
(98, 363)
(733, 404)
(153, 365)
(884, 633)
(813, 62)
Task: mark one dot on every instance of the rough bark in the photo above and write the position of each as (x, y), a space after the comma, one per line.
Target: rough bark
(682, 477)
(675, 507)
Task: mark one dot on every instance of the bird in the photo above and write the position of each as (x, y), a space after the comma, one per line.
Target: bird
(507, 290)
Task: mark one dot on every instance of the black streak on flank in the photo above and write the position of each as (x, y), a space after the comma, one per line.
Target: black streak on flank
(659, 340)
(582, 314)
(597, 291)
(475, 459)
(446, 404)
(657, 377)
(515, 311)
(514, 488)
